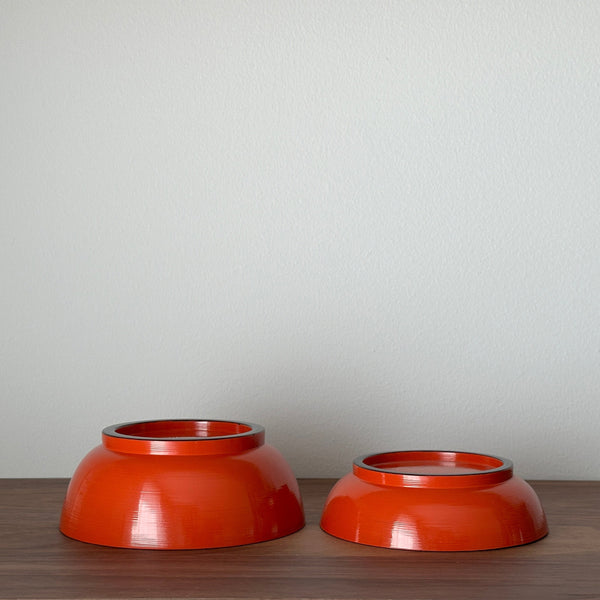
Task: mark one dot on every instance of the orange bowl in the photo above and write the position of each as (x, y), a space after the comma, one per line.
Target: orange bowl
(177, 484)
(434, 500)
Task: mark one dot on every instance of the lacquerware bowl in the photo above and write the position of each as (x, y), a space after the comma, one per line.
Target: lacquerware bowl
(182, 484)
(434, 500)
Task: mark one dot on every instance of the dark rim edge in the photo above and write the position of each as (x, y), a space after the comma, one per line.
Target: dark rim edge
(505, 466)
(111, 430)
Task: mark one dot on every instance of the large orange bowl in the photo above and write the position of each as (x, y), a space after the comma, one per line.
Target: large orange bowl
(434, 500)
(182, 484)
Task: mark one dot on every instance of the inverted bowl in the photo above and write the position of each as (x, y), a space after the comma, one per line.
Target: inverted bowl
(434, 500)
(182, 484)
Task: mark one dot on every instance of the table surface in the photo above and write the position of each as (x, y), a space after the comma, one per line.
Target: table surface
(37, 561)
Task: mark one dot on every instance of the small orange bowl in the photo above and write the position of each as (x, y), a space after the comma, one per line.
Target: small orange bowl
(182, 484)
(434, 500)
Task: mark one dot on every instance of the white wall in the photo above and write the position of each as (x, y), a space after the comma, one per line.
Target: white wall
(365, 225)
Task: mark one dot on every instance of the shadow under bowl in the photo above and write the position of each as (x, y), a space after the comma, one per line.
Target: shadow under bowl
(434, 500)
(182, 484)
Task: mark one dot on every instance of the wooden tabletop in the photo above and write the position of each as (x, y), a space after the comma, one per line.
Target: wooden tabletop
(37, 561)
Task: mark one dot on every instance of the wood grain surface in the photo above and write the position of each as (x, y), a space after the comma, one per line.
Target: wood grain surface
(37, 561)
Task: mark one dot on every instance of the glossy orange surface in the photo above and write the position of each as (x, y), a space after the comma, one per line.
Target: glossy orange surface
(182, 484)
(434, 500)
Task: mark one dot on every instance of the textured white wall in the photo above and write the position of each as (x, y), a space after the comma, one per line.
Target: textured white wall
(365, 225)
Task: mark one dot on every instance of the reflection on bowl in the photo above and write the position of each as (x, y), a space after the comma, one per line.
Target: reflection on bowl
(434, 500)
(175, 484)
